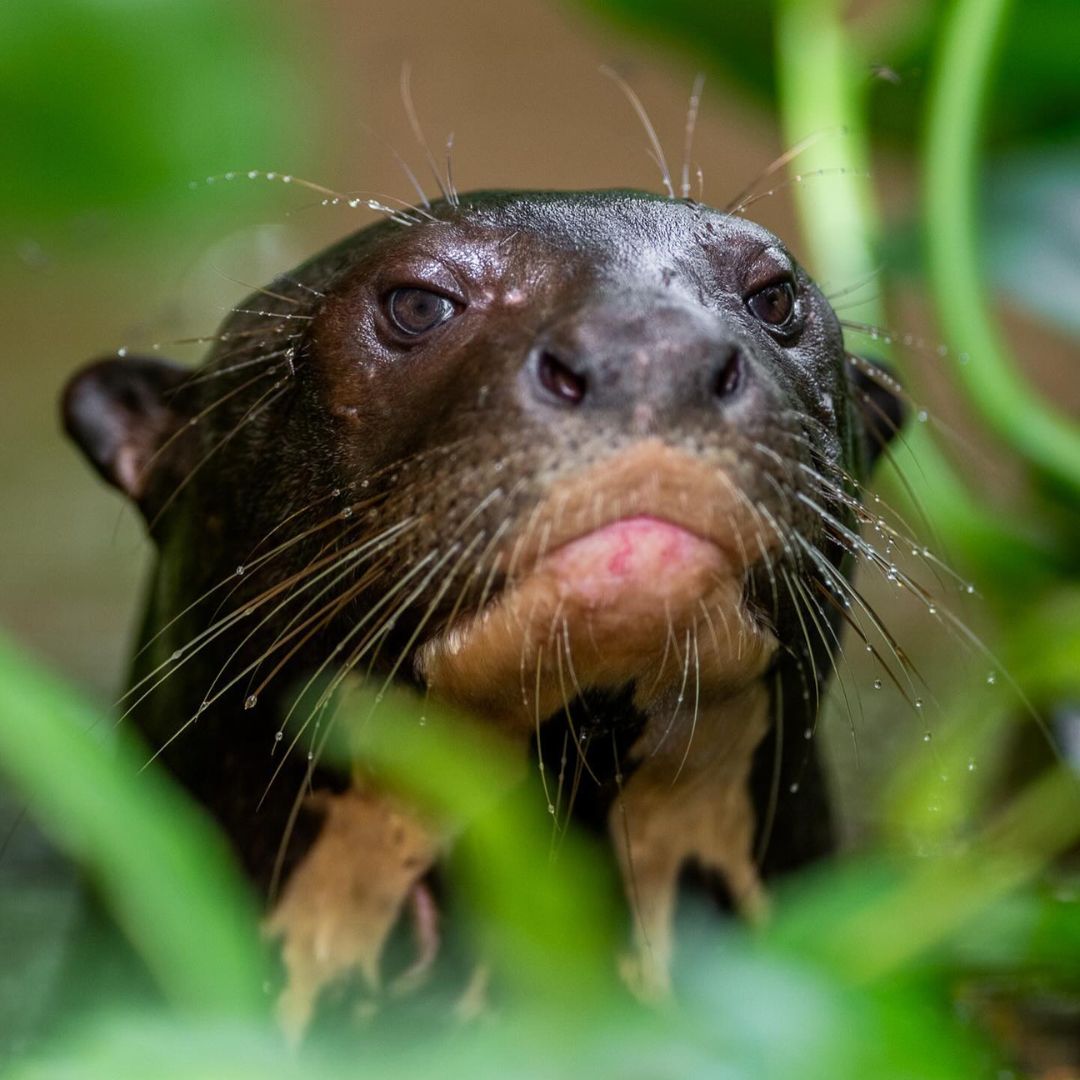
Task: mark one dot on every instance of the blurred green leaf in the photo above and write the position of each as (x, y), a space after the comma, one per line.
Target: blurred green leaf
(120, 104)
(162, 869)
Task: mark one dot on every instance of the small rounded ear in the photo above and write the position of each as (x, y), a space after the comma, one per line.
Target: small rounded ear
(121, 413)
(879, 405)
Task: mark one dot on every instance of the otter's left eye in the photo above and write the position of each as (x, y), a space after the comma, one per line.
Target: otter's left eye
(415, 311)
(773, 305)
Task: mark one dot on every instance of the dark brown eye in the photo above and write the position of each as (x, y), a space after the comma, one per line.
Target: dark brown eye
(415, 311)
(774, 305)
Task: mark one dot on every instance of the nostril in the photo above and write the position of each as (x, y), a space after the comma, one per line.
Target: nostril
(559, 380)
(729, 375)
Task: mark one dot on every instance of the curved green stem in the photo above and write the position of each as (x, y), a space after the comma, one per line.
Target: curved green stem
(823, 89)
(1044, 438)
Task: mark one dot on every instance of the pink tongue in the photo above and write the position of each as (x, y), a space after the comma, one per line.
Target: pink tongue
(640, 555)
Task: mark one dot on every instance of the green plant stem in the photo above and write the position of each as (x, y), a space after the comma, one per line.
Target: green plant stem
(959, 89)
(823, 89)
(162, 870)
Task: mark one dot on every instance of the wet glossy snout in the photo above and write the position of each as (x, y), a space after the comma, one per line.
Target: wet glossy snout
(620, 356)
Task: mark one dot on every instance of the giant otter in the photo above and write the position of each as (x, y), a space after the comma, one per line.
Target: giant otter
(583, 462)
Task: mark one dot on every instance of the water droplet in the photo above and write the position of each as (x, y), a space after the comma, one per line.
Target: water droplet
(927, 736)
(794, 787)
(240, 571)
(363, 483)
(253, 174)
(679, 700)
(310, 756)
(122, 351)
(991, 678)
(423, 723)
(378, 697)
(918, 703)
(251, 701)
(931, 609)
(877, 684)
(971, 764)
(278, 736)
(551, 808)
(869, 647)
(335, 493)
(963, 358)
(271, 176)
(808, 733)
(177, 654)
(969, 589)
(346, 513)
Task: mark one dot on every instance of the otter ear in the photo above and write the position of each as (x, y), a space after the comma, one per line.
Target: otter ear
(121, 413)
(879, 405)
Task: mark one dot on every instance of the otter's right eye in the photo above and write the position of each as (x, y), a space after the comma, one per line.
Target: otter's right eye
(415, 311)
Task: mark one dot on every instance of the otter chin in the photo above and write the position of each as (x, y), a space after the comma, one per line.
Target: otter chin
(646, 550)
(579, 463)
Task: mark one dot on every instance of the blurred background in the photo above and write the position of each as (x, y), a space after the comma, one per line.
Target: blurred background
(119, 229)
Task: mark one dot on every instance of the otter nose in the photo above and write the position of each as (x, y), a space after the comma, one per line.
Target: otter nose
(614, 359)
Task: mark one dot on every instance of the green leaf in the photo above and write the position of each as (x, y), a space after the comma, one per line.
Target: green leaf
(161, 868)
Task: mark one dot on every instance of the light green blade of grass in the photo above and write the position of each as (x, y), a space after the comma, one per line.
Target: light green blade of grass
(161, 868)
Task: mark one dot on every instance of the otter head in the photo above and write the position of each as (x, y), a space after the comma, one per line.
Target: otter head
(518, 449)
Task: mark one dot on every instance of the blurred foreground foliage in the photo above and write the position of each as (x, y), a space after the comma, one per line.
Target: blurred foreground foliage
(117, 106)
(856, 972)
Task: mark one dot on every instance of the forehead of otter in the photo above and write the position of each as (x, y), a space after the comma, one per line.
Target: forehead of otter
(594, 314)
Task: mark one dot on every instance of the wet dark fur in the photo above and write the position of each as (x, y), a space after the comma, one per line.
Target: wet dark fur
(275, 452)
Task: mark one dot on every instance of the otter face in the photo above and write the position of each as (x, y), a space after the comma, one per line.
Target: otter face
(568, 430)
(622, 410)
